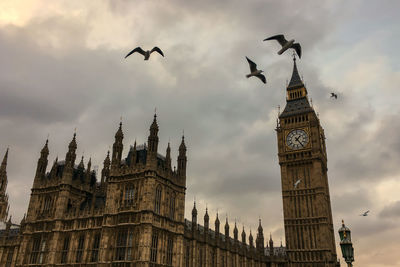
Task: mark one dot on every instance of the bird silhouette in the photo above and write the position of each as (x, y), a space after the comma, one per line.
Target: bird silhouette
(334, 95)
(285, 44)
(365, 213)
(147, 53)
(297, 183)
(255, 72)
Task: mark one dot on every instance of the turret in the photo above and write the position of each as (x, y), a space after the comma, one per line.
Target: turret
(243, 236)
(251, 240)
(152, 142)
(194, 217)
(217, 226)
(226, 229)
(81, 165)
(168, 158)
(235, 233)
(42, 164)
(182, 160)
(133, 156)
(117, 148)
(206, 220)
(42, 161)
(89, 171)
(71, 154)
(271, 245)
(105, 173)
(260, 238)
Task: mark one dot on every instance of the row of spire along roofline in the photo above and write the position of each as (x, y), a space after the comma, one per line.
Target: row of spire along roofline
(116, 159)
(194, 226)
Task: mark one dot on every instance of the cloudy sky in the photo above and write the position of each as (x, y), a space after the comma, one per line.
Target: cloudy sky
(62, 67)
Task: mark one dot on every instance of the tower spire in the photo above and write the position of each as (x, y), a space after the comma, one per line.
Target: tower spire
(152, 141)
(117, 147)
(3, 177)
(296, 95)
(43, 161)
(4, 162)
(295, 81)
(182, 159)
(71, 156)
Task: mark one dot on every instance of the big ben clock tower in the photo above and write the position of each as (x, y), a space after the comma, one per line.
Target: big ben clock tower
(306, 202)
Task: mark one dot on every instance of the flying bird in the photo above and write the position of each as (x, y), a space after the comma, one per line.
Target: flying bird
(285, 44)
(147, 53)
(297, 183)
(365, 213)
(334, 95)
(254, 71)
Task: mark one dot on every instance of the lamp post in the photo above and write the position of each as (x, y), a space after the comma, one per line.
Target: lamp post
(346, 245)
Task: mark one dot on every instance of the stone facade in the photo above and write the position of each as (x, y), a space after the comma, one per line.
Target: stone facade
(302, 154)
(132, 216)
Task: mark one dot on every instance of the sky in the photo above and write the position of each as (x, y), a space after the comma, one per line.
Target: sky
(62, 67)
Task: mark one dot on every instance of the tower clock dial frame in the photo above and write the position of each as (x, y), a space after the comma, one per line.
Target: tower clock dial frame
(297, 139)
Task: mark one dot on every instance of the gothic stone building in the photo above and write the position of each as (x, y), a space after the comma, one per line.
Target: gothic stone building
(134, 214)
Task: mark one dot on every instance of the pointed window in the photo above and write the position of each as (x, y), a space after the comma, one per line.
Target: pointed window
(212, 257)
(35, 249)
(187, 256)
(79, 251)
(200, 260)
(95, 248)
(10, 256)
(124, 245)
(157, 201)
(172, 207)
(47, 204)
(170, 247)
(129, 195)
(154, 247)
(64, 252)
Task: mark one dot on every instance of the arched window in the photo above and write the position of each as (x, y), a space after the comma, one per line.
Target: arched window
(157, 201)
(124, 245)
(129, 194)
(172, 207)
(64, 252)
(95, 248)
(154, 247)
(47, 204)
(79, 251)
(170, 246)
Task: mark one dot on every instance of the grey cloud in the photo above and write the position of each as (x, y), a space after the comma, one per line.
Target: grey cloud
(51, 81)
(391, 211)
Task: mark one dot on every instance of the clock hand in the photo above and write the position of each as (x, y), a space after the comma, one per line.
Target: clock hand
(297, 139)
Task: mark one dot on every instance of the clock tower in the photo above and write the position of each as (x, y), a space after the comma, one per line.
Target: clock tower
(302, 156)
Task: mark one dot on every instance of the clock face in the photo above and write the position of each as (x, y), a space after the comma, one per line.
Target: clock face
(297, 139)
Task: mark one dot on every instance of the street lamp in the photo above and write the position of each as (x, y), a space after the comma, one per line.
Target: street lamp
(346, 245)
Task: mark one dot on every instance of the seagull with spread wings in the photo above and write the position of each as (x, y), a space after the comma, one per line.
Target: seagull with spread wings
(147, 53)
(297, 183)
(334, 95)
(285, 44)
(365, 213)
(255, 72)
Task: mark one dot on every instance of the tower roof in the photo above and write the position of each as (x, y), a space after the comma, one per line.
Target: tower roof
(295, 81)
